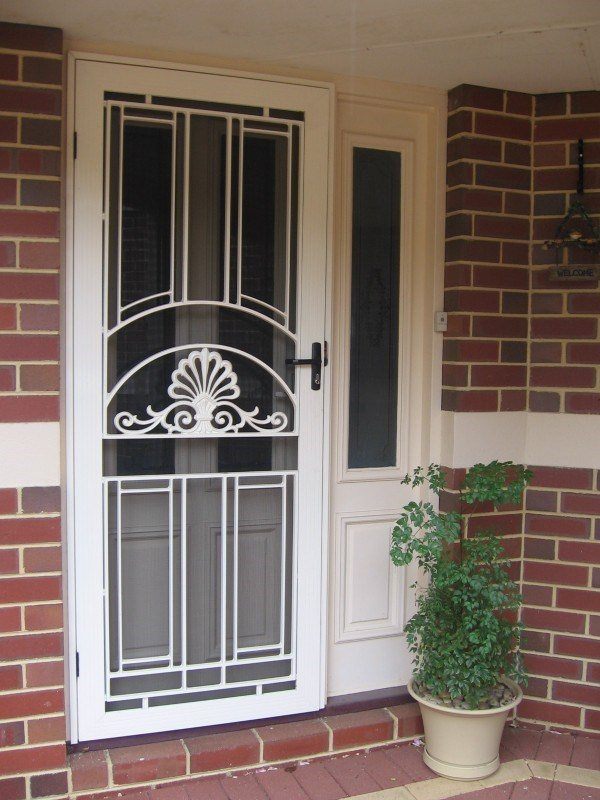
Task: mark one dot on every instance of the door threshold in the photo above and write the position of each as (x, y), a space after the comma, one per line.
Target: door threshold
(151, 762)
(340, 704)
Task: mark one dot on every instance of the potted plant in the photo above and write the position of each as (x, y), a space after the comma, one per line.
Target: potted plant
(464, 636)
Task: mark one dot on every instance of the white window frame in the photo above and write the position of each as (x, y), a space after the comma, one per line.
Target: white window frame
(405, 147)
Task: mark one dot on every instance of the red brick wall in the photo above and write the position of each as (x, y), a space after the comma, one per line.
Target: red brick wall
(565, 335)
(561, 578)
(553, 543)
(487, 250)
(32, 723)
(517, 341)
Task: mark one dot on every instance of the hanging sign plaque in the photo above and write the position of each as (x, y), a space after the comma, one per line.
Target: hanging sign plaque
(575, 274)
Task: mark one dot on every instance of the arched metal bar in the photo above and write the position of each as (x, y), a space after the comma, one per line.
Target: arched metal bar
(145, 300)
(218, 303)
(258, 302)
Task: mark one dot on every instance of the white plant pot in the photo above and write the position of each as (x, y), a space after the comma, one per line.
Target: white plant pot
(460, 743)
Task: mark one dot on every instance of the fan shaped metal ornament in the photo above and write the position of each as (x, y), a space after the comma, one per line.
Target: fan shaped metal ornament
(203, 388)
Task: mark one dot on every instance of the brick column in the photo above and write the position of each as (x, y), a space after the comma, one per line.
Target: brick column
(561, 579)
(565, 335)
(32, 724)
(500, 300)
(487, 249)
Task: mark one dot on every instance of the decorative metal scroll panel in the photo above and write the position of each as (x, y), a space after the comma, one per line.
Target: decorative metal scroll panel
(200, 604)
(199, 156)
(203, 387)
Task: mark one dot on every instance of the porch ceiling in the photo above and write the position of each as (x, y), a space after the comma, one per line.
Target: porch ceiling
(531, 45)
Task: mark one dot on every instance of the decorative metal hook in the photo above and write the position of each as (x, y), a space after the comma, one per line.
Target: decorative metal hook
(577, 228)
(580, 164)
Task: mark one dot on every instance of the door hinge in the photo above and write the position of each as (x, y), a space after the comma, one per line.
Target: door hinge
(77, 664)
(75, 144)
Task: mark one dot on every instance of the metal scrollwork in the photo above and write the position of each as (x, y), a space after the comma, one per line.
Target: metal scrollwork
(203, 388)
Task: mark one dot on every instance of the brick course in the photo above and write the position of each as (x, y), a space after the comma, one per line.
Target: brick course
(555, 557)
(32, 702)
(560, 558)
(487, 251)
(510, 180)
(567, 314)
(517, 341)
(140, 767)
(29, 219)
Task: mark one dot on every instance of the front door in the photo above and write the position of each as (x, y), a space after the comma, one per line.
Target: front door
(199, 274)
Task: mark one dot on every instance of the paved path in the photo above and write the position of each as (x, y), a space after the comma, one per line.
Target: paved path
(535, 766)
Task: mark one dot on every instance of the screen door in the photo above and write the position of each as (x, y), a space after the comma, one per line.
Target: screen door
(199, 264)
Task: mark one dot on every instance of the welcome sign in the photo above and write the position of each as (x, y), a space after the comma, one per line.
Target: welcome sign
(575, 274)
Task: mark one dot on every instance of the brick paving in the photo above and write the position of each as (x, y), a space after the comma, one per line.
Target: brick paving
(397, 772)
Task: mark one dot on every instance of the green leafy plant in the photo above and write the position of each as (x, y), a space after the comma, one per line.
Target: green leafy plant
(464, 636)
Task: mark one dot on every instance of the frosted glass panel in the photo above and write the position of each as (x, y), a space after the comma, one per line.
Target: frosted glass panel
(374, 309)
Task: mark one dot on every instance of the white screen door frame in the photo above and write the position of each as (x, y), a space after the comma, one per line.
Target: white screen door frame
(90, 78)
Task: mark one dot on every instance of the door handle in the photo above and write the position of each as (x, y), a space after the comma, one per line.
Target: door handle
(315, 362)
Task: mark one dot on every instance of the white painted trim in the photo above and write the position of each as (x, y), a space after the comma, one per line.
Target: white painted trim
(526, 437)
(68, 481)
(78, 55)
(30, 454)
(327, 400)
(398, 583)
(405, 147)
(353, 87)
(438, 224)
(376, 114)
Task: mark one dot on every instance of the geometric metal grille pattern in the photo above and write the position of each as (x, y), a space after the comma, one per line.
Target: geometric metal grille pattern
(236, 276)
(200, 249)
(194, 636)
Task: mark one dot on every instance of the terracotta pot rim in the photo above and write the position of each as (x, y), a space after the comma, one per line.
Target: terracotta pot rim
(470, 712)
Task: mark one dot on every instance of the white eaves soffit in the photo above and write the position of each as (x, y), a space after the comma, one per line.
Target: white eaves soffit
(534, 46)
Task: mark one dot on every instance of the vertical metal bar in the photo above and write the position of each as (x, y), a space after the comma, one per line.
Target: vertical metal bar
(288, 224)
(580, 167)
(186, 207)
(283, 558)
(294, 576)
(171, 570)
(173, 196)
(236, 519)
(240, 208)
(105, 593)
(120, 218)
(299, 232)
(223, 577)
(105, 260)
(119, 579)
(183, 580)
(227, 245)
(106, 210)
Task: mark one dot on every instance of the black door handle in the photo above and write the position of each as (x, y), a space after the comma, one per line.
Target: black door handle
(315, 363)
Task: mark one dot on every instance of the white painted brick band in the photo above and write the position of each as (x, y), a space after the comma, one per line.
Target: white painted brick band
(29, 454)
(554, 440)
